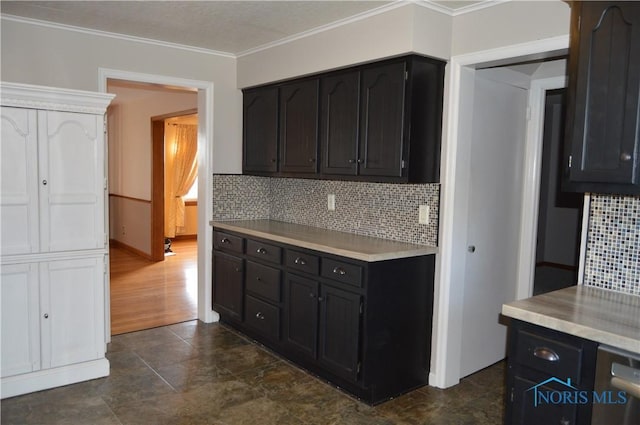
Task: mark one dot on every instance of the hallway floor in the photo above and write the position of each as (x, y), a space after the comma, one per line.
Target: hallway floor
(196, 373)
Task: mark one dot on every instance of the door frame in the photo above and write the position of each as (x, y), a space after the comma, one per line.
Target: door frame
(205, 180)
(454, 178)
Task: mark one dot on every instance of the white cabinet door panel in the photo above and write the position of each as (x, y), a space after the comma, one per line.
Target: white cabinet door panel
(71, 151)
(18, 182)
(72, 299)
(20, 319)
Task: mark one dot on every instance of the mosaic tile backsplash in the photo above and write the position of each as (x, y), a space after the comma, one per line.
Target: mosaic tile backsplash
(613, 244)
(388, 211)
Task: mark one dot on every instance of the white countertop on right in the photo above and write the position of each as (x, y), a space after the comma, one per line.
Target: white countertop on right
(607, 317)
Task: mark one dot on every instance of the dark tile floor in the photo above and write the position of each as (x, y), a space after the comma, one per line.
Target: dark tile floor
(195, 373)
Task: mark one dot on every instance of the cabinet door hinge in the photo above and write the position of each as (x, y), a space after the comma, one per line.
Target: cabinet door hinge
(104, 126)
(361, 308)
(511, 395)
(406, 75)
(358, 367)
(105, 183)
(106, 239)
(570, 159)
(403, 164)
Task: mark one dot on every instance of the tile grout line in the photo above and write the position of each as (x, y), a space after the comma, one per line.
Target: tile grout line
(156, 372)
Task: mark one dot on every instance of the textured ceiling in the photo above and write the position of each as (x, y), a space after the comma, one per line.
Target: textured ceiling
(225, 26)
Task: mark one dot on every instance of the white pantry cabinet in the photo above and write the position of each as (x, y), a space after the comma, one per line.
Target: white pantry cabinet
(53, 242)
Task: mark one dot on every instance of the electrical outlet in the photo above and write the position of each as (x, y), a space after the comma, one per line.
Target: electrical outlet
(124, 231)
(423, 214)
(331, 202)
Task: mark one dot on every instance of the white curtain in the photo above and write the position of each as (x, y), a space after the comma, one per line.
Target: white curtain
(181, 177)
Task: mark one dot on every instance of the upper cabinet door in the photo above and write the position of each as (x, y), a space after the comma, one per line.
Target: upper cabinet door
(382, 120)
(19, 181)
(260, 130)
(604, 87)
(299, 127)
(72, 184)
(339, 113)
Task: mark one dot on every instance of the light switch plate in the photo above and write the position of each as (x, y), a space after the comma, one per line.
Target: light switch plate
(331, 202)
(423, 214)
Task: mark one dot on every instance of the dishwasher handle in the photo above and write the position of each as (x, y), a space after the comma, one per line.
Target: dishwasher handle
(627, 386)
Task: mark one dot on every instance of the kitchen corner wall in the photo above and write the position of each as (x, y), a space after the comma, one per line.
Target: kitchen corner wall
(613, 244)
(388, 211)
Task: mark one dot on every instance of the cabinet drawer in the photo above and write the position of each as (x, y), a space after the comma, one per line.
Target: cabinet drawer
(302, 261)
(264, 251)
(342, 272)
(263, 281)
(549, 356)
(227, 242)
(263, 317)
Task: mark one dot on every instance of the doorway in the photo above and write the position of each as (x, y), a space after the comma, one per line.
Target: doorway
(559, 213)
(205, 176)
(458, 330)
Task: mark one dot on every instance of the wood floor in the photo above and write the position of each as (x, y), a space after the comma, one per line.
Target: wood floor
(146, 295)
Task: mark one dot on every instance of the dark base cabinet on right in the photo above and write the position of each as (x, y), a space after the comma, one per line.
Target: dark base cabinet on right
(363, 326)
(550, 377)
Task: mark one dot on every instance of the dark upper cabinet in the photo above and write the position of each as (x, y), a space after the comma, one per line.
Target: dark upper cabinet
(377, 122)
(382, 123)
(603, 120)
(299, 127)
(260, 130)
(339, 119)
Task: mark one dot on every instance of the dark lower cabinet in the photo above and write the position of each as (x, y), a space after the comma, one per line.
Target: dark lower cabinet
(550, 377)
(301, 315)
(228, 282)
(603, 110)
(363, 326)
(339, 331)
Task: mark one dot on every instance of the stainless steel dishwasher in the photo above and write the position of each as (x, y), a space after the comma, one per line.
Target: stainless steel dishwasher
(616, 371)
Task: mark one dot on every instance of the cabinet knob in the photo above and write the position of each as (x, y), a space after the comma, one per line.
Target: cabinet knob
(471, 248)
(565, 421)
(320, 299)
(340, 271)
(46, 315)
(259, 316)
(300, 261)
(225, 240)
(273, 160)
(359, 161)
(352, 161)
(258, 279)
(238, 269)
(625, 156)
(312, 160)
(261, 251)
(44, 182)
(312, 295)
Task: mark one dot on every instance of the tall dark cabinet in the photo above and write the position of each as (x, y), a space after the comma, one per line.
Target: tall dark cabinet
(260, 130)
(603, 128)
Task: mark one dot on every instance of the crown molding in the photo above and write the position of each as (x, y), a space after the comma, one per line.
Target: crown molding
(89, 31)
(430, 4)
(57, 99)
(341, 22)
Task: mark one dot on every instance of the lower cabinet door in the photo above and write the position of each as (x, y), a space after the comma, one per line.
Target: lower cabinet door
(339, 331)
(228, 274)
(20, 319)
(301, 314)
(531, 408)
(72, 311)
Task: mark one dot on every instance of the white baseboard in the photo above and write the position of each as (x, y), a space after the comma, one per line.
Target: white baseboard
(50, 378)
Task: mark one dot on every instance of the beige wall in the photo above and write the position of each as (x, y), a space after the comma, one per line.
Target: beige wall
(509, 23)
(383, 35)
(54, 57)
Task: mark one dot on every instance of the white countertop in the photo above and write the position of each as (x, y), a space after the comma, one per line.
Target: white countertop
(607, 317)
(348, 245)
